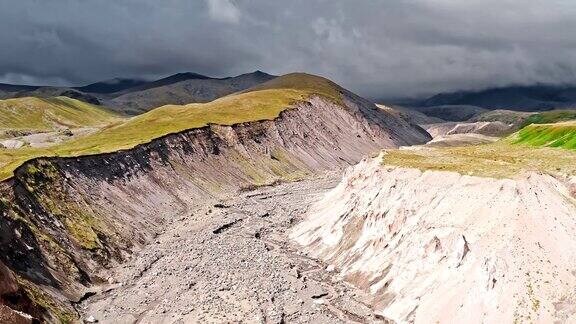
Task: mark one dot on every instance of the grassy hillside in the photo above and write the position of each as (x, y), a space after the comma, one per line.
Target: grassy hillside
(549, 117)
(38, 114)
(562, 135)
(306, 83)
(262, 103)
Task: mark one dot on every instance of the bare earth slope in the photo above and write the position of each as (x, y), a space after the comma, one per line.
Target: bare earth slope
(64, 220)
(441, 247)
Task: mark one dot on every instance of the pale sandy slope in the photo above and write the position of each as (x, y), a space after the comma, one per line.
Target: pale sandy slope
(441, 247)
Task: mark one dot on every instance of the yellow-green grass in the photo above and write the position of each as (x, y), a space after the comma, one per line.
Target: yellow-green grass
(496, 160)
(39, 114)
(265, 103)
(303, 82)
(560, 135)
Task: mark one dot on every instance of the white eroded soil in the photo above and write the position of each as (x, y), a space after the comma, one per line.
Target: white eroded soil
(441, 247)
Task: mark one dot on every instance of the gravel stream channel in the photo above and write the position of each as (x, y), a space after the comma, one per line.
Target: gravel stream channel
(230, 261)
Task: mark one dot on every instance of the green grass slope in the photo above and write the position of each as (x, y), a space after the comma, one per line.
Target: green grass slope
(264, 102)
(561, 135)
(38, 114)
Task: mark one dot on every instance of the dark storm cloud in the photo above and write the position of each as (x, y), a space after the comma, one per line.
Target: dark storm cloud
(377, 48)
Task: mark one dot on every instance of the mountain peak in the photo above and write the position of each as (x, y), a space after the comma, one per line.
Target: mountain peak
(111, 85)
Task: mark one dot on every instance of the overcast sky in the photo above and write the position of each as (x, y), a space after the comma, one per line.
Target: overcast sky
(380, 48)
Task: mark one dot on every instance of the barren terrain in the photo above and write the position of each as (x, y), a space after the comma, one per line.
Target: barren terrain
(230, 261)
(442, 247)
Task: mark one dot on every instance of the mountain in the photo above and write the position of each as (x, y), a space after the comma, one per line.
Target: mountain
(175, 78)
(465, 105)
(16, 88)
(112, 85)
(451, 112)
(87, 204)
(135, 96)
(183, 88)
(522, 98)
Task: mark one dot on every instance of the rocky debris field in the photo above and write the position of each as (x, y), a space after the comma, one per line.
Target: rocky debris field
(230, 261)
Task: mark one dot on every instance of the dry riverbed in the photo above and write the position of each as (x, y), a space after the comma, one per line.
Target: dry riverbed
(230, 261)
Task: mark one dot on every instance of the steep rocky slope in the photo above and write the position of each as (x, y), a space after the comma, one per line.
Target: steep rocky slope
(442, 247)
(64, 219)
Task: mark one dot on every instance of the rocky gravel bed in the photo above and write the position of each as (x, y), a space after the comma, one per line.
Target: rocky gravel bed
(230, 261)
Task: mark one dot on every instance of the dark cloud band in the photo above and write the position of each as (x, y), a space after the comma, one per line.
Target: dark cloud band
(378, 48)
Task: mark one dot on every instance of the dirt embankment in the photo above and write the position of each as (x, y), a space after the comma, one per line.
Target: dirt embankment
(441, 247)
(62, 220)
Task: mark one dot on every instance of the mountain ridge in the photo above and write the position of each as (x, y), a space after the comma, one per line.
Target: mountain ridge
(135, 96)
(525, 98)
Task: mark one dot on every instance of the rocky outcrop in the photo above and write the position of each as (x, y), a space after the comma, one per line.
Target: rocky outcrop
(63, 219)
(442, 247)
(15, 306)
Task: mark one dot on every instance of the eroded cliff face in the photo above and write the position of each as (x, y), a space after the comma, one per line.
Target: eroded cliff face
(441, 247)
(63, 219)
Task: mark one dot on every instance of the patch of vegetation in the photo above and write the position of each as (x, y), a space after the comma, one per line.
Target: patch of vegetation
(264, 102)
(51, 249)
(549, 117)
(43, 180)
(37, 114)
(45, 301)
(535, 303)
(496, 160)
(561, 135)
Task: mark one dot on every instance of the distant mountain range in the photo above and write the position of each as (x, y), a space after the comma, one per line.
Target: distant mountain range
(525, 98)
(112, 85)
(463, 105)
(135, 96)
